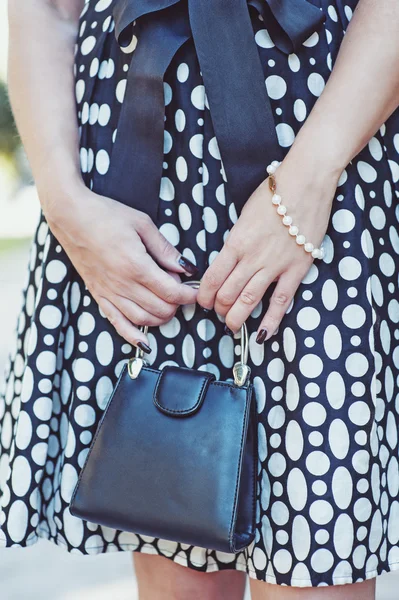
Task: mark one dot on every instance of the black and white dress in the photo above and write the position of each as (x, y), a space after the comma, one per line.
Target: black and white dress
(326, 383)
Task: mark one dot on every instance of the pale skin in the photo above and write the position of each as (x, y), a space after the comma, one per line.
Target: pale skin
(361, 93)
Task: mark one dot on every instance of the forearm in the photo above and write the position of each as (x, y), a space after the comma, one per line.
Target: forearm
(361, 93)
(41, 88)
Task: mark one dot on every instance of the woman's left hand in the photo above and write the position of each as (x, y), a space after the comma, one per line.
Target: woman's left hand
(259, 250)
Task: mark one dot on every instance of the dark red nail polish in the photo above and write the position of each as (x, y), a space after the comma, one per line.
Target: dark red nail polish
(260, 338)
(228, 331)
(144, 347)
(188, 265)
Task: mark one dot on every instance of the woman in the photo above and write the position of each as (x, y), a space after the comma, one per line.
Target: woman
(135, 203)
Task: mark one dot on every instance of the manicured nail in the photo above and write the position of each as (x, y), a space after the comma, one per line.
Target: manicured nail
(260, 338)
(228, 331)
(144, 347)
(188, 265)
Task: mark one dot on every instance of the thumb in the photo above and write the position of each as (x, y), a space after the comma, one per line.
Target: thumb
(162, 250)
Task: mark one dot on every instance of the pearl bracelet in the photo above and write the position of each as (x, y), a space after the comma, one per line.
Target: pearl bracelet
(287, 220)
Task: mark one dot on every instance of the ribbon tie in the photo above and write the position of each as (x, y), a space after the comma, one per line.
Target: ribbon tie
(233, 78)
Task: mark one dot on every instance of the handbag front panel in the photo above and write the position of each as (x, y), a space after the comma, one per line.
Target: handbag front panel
(175, 478)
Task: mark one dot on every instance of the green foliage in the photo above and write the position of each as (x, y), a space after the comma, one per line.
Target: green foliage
(9, 139)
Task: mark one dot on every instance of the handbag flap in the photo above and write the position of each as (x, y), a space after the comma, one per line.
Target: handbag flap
(179, 391)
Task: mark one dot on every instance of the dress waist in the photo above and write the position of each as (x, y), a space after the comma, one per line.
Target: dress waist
(233, 78)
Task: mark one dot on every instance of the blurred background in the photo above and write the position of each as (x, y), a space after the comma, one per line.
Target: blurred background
(45, 571)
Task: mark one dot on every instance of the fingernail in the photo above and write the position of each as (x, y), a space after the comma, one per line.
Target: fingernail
(144, 347)
(188, 265)
(260, 338)
(206, 310)
(228, 331)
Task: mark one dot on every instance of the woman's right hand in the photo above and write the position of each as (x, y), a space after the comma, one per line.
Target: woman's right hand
(129, 267)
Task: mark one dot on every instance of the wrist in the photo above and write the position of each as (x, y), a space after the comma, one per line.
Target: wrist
(314, 165)
(60, 199)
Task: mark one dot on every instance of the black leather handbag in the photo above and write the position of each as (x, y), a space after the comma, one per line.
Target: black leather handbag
(175, 456)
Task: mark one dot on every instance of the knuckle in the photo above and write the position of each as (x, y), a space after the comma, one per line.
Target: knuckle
(165, 314)
(281, 298)
(171, 297)
(144, 221)
(140, 320)
(211, 279)
(224, 298)
(248, 297)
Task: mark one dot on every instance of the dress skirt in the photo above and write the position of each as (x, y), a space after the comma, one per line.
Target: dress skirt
(326, 383)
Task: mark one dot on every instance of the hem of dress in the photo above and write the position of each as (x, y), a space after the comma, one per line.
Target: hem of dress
(212, 567)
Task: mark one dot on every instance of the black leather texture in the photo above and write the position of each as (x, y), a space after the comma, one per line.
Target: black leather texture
(174, 457)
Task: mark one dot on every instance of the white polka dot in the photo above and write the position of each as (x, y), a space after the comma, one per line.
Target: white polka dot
(356, 364)
(354, 316)
(55, 271)
(314, 414)
(210, 219)
(104, 115)
(17, 521)
(366, 171)
(198, 97)
(282, 561)
(308, 318)
(180, 119)
(285, 134)
(83, 369)
(88, 45)
(182, 72)
(300, 110)
(294, 440)
(338, 437)
(316, 84)
(387, 264)
(102, 161)
(86, 323)
(311, 365)
(317, 462)
(276, 86)
(196, 145)
(263, 39)
(349, 268)
(50, 317)
(104, 348)
(343, 220)
(297, 489)
(104, 389)
(342, 487)
(294, 63)
(85, 415)
(102, 5)
(185, 218)
(300, 537)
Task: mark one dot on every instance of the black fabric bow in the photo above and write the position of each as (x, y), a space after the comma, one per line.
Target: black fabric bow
(233, 78)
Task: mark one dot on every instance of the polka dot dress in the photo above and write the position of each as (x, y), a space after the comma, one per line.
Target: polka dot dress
(326, 383)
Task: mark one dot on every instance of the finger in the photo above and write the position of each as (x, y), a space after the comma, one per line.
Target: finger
(146, 299)
(163, 284)
(249, 297)
(232, 287)
(215, 276)
(161, 249)
(279, 303)
(137, 314)
(123, 326)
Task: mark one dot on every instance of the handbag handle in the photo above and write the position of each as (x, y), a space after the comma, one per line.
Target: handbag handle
(241, 370)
